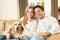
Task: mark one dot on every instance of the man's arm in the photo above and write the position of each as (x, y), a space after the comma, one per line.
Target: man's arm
(43, 33)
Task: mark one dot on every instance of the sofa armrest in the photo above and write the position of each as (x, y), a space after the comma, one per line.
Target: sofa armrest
(54, 37)
(2, 25)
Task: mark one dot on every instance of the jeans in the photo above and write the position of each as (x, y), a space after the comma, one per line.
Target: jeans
(2, 37)
(26, 38)
(34, 37)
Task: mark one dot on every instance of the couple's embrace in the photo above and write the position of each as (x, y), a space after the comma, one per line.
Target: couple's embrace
(37, 25)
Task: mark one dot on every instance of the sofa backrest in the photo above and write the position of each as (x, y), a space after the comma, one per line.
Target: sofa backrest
(2, 25)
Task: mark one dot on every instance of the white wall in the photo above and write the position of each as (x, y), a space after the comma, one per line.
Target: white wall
(58, 3)
(47, 7)
(9, 9)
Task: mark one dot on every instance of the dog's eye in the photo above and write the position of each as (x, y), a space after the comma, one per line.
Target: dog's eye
(19, 24)
(15, 24)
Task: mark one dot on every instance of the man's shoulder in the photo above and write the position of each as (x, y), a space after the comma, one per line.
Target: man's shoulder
(52, 18)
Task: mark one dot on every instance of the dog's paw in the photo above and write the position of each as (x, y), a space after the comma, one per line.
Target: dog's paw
(20, 36)
(7, 36)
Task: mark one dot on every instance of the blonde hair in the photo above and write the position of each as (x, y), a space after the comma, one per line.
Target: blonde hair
(25, 16)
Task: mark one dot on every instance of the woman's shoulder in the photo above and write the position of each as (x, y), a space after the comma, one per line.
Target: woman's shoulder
(34, 20)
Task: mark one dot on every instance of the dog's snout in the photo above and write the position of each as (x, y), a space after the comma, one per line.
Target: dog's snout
(17, 28)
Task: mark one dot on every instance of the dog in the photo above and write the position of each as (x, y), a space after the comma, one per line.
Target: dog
(17, 26)
(16, 30)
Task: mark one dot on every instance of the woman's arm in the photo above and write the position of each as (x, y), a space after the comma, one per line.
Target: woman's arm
(24, 27)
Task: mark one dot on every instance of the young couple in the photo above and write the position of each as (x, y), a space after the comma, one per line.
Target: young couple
(38, 26)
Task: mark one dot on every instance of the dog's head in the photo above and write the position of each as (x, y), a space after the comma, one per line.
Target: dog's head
(18, 27)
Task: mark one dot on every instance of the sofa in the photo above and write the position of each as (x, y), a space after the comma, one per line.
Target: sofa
(54, 37)
(5, 24)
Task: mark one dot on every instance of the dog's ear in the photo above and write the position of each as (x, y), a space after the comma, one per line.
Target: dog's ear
(22, 28)
(21, 25)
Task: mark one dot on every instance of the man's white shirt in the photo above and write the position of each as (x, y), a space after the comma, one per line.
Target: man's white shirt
(48, 24)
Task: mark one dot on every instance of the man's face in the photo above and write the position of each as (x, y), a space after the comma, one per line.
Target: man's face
(39, 13)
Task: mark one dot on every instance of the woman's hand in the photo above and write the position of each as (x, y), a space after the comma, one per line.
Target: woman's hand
(7, 36)
(20, 36)
(23, 26)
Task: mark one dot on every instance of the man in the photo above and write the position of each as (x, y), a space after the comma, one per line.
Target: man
(59, 22)
(46, 25)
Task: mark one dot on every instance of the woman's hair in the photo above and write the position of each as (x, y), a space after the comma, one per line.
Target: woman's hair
(26, 10)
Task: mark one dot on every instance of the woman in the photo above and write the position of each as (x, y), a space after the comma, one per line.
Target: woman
(29, 22)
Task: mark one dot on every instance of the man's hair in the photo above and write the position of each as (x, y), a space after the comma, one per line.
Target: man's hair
(58, 20)
(38, 6)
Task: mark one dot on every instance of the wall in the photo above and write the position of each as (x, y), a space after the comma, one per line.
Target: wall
(58, 3)
(9, 9)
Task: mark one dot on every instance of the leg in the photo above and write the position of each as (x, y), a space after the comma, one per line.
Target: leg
(28, 38)
(34, 37)
(2, 37)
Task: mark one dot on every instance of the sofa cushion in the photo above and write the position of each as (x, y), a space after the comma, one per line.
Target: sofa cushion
(8, 23)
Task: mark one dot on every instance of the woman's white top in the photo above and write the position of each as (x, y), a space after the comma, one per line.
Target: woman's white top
(31, 26)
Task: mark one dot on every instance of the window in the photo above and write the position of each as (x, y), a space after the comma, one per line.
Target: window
(45, 3)
(36, 2)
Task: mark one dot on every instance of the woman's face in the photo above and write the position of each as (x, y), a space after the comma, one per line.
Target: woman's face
(30, 13)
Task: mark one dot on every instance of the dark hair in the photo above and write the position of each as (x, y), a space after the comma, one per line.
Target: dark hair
(38, 6)
(58, 20)
(59, 9)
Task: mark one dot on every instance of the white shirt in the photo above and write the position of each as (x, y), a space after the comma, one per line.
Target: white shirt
(32, 26)
(48, 24)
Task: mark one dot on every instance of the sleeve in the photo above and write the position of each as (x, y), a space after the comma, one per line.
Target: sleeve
(54, 27)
